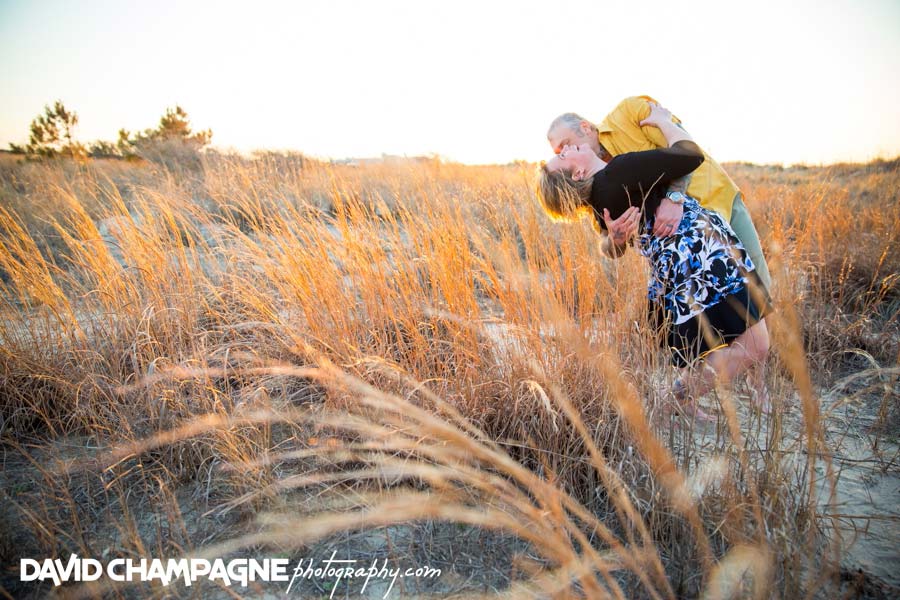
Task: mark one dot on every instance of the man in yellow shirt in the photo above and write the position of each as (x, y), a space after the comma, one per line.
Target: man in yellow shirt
(620, 132)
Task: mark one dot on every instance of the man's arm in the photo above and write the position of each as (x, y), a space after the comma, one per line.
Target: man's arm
(668, 213)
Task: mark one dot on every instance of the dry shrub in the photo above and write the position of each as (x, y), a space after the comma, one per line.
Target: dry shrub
(837, 229)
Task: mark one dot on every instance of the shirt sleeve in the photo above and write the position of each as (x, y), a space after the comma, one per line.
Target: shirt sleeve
(623, 124)
(643, 170)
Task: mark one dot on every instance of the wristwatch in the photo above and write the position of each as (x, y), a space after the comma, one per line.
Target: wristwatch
(676, 197)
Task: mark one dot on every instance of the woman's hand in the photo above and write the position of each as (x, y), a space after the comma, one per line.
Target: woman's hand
(624, 228)
(661, 118)
(657, 116)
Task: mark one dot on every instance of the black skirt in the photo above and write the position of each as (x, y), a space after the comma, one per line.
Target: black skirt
(718, 325)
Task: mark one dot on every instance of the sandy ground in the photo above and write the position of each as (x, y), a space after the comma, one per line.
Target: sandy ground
(865, 509)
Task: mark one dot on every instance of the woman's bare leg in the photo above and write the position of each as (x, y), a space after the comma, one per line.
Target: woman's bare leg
(686, 390)
(759, 393)
(749, 349)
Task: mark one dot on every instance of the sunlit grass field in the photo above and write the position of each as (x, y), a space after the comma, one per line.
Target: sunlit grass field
(274, 356)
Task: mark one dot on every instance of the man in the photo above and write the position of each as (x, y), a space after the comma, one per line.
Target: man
(622, 131)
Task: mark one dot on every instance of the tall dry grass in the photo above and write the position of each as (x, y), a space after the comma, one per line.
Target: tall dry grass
(307, 349)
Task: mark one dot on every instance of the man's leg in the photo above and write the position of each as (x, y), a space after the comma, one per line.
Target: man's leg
(742, 225)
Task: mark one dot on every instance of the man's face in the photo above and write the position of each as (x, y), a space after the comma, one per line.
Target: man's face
(563, 135)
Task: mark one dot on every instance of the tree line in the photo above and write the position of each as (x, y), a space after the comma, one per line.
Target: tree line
(52, 134)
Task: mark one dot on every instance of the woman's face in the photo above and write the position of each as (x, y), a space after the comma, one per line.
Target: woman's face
(575, 160)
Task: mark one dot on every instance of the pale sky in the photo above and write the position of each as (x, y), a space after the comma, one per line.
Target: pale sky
(768, 82)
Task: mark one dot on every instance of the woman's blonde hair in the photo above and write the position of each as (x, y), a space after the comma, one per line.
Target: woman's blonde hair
(562, 197)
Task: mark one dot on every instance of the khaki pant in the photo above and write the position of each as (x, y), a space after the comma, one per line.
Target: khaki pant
(743, 227)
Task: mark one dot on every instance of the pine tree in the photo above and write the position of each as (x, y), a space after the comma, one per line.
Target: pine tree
(52, 133)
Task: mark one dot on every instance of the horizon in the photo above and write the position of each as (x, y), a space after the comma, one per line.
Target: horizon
(347, 160)
(358, 80)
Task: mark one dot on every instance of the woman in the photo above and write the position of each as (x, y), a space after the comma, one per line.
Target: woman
(703, 286)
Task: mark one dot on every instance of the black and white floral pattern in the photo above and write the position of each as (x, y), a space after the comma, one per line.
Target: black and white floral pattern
(697, 266)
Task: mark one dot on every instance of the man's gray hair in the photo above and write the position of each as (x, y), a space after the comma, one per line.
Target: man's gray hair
(569, 119)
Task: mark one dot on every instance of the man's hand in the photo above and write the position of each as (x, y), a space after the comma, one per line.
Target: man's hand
(668, 216)
(621, 230)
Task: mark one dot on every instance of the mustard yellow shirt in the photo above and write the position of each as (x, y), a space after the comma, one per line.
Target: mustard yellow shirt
(620, 133)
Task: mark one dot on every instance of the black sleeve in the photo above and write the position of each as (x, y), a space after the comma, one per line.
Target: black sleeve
(644, 169)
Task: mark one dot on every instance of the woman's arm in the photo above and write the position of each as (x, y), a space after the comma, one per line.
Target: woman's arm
(642, 171)
(661, 118)
(672, 132)
(619, 231)
(669, 214)
(630, 178)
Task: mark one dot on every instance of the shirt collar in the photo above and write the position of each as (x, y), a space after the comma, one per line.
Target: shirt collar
(604, 127)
